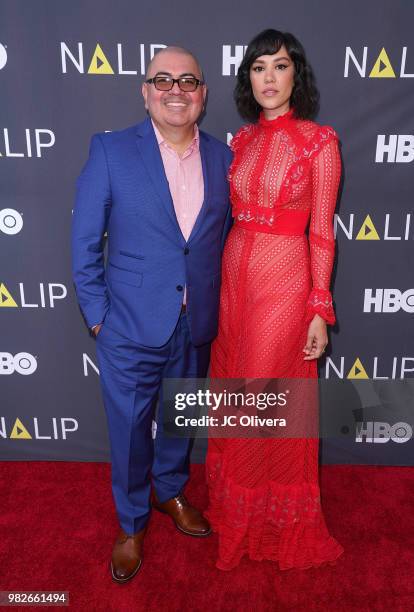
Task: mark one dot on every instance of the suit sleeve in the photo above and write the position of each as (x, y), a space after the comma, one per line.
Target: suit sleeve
(326, 173)
(90, 221)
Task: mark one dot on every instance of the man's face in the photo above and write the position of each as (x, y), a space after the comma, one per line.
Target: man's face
(174, 108)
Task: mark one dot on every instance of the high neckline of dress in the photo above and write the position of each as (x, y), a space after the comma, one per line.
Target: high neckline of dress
(278, 121)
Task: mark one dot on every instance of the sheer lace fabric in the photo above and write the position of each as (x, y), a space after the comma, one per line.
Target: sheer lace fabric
(264, 494)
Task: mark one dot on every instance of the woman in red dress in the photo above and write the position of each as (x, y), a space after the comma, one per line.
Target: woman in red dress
(275, 305)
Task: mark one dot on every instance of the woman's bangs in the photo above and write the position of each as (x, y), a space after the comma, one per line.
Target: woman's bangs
(267, 46)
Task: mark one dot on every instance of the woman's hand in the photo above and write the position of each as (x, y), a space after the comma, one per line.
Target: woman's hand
(317, 338)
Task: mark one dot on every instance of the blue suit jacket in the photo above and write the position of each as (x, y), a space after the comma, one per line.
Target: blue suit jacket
(138, 291)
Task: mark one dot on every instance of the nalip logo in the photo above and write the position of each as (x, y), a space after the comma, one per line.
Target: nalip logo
(382, 68)
(104, 61)
(46, 295)
(37, 428)
(393, 226)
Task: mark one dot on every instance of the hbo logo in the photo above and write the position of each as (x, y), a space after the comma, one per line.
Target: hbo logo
(11, 222)
(378, 432)
(22, 363)
(389, 300)
(398, 149)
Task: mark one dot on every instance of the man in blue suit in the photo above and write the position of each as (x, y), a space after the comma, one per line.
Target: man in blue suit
(159, 189)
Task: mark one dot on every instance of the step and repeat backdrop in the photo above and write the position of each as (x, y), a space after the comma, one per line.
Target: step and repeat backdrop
(70, 69)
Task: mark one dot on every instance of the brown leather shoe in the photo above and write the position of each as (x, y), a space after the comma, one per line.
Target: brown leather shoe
(127, 555)
(186, 518)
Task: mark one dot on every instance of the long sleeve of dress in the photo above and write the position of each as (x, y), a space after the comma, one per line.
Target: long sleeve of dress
(326, 173)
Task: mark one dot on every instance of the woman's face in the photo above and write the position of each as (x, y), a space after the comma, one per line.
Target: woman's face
(272, 80)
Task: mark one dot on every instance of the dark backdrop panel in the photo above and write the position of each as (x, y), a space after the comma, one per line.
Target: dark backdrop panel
(364, 63)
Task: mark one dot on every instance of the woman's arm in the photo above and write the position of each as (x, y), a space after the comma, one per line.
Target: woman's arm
(326, 173)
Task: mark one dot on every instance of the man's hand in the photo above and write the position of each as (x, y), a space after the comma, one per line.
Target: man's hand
(96, 329)
(317, 338)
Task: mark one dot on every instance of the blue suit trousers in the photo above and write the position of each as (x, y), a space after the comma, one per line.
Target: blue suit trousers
(131, 378)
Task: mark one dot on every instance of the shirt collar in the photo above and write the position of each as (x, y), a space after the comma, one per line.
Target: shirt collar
(194, 144)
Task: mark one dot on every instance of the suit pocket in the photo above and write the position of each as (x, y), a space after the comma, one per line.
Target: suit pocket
(124, 275)
(129, 254)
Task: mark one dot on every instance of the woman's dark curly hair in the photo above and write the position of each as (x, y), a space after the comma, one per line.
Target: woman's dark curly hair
(305, 95)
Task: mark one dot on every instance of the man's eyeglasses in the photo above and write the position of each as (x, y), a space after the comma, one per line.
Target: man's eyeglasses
(166, 83)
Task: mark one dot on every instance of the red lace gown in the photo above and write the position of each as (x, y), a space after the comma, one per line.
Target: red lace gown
(264, 493)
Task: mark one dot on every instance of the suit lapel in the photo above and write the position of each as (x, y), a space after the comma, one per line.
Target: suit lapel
(149, 150)
(205, 163)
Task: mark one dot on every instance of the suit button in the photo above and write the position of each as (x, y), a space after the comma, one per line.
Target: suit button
(179, 287)
(186, 251)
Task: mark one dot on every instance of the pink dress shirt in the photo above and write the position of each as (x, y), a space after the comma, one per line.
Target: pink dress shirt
(185, 177)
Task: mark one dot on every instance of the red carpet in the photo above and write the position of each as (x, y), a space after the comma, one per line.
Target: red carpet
(57, 527)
